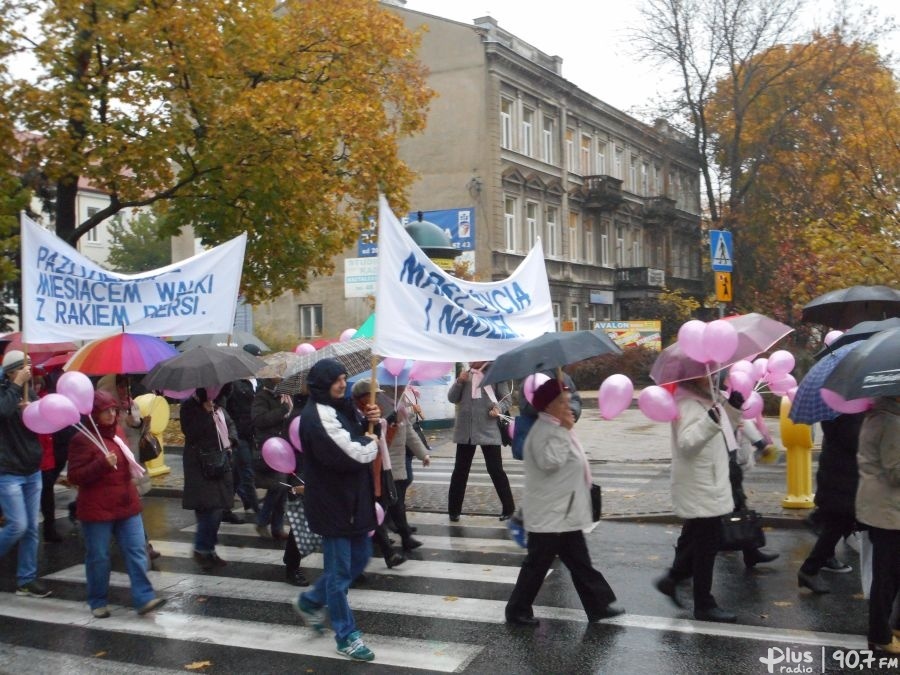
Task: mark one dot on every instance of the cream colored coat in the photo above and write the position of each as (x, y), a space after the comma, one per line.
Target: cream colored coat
(878, 494)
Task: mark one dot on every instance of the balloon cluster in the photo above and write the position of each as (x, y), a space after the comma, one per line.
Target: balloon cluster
(279, 453)
(74, 397)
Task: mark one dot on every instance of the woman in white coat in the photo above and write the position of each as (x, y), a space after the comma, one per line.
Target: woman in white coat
(701, 492)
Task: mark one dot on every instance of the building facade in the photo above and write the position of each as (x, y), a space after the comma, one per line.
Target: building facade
(615, 202)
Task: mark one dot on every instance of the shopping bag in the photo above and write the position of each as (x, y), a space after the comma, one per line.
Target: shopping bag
(307, 541)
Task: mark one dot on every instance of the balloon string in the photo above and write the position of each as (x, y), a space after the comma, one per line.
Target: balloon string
(95, 440)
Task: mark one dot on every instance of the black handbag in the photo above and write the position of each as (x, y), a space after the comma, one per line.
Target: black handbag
(503, 425)
(742, 529)
(214, 462)
(388, 487)
(149, 447)
(596, 502)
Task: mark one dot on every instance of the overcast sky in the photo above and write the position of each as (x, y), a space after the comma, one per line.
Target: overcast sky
(591, 36)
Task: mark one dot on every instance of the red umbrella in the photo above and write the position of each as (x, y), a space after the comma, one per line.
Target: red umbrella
(121, 353)
(756, 334)
(14, 341)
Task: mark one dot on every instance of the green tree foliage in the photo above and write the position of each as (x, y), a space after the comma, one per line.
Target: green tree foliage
(671, 308)
(278, 119)
(138, 247)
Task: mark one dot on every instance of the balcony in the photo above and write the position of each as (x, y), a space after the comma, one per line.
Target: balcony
(640, 277)
(659, 210)
(603, 193)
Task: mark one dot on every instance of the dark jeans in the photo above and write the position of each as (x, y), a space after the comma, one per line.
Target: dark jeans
(207, 535)
(695, 556)
(884, 594)
(833, 527)
(271, 512)
(494, 462)
(543, 548)
(48, 499)
(242, 470)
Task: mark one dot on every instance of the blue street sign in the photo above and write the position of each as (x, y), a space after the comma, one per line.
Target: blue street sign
(721, 250)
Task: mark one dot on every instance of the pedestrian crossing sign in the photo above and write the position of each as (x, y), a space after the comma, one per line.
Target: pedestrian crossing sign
(721, 250)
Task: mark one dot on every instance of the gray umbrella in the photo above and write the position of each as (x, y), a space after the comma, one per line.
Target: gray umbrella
(355, 355)
(861, 331)
(846, 307)
(235, 340)
(202, 367)
(870, 370)
(550, 350)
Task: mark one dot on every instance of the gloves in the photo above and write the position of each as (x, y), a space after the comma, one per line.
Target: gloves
(713, 414)
(736, 400)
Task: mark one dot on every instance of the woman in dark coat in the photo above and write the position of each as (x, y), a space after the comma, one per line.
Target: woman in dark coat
(206, 427)
(270, 413)
(108, 504)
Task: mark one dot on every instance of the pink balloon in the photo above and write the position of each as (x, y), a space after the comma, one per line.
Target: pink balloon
(347, 334)
(657, 404)
(753, 406)
(379, 513)
(294, 433)
(743, 366)
(690, 339)
(791, 394)
(34, 420)
(178, 395)
(832, 335)
(59, 411)
(279, 455)
(79, 389)
(781, 385)
(615, 395)
(393, 365)
(848, 407)
(740, 382)
(720, 340)
(780, 363)
(760, 368)
(428, 370)
(531, 383)
(304, 348)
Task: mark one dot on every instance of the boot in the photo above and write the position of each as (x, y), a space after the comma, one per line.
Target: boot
(50, 533)
(409, 543)
(393, 559)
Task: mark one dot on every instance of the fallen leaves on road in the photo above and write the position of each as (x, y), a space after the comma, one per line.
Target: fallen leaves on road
(103, 653)
(451, 598)
(783, 603)
(198, 665)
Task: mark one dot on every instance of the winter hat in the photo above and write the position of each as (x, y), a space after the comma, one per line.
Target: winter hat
(547, 393)
(13, 360)
(103, 400)
(363, 388)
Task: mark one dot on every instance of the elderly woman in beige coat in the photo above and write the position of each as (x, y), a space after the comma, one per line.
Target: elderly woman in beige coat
(878, 508)
(556, 510)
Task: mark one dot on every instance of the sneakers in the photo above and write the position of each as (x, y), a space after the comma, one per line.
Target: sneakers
(155, 603)
(836, 566)
(355, 648)
(314, 617)
(34, 589)
(100, 612)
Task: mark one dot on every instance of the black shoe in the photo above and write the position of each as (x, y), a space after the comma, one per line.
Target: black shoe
(505, 516)
(715, 614)
(232, 517)
(394, 559)
(668, 586)
(152, 553)
(607, 612)
(217, 561)
(51, 535)
(454, 519)
(409, 543)
(812, 582)
(205, 560)
(296, 577)
(756, 556)
(413, 529)
(521, 620)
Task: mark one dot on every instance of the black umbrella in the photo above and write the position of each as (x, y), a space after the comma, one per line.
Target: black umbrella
(872, 369)
(848, 306)
(202, 367)
(550, 350)
(861, 331)
(235, 340)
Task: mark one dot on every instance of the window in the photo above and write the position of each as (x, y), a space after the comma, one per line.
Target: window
(604, 250)
(619, 160)
(509, 222)
(556, 312)
(575, 317)
(506, 107)
(590, 253)
(527, 132)
(310, 321)
(620, 246)
(657, 181)
(601, 158)
(633, 174)
(637, 257)
(531, 224)
(601, 312)
(548, 133)
(645, 179)
(93, 235)
(552, 238)
(570, 150)
(574, 248)
(585, 155)
(551, 219)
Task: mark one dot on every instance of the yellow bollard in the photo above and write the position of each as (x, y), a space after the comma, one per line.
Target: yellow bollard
(158, 409)
(797, 440)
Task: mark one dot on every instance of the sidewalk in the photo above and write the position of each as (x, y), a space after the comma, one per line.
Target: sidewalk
(630, 438)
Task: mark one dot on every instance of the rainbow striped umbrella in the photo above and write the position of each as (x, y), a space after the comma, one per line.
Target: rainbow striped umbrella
(122, 353)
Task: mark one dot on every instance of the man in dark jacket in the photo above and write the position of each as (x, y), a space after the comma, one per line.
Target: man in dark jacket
(339, 500)
(238, 397)
(20, 475)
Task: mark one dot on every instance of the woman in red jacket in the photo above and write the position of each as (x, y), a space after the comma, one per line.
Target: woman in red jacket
(108, 504)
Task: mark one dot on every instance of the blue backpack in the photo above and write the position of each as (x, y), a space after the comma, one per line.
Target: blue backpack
(521, 428)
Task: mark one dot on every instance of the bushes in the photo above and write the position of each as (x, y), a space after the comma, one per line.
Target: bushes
(634, 362)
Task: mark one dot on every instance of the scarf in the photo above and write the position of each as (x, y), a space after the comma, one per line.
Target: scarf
(133, 465)
(221, 428)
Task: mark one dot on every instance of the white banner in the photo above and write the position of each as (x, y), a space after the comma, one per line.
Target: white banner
(425, 314)
(66, 296)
